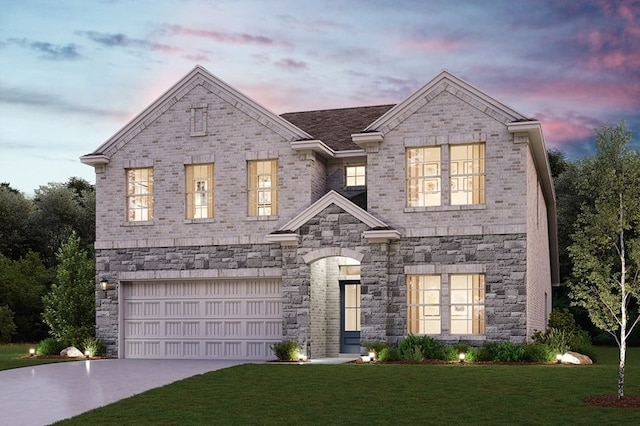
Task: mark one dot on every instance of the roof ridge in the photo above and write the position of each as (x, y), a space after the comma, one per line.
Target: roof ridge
(340, 109)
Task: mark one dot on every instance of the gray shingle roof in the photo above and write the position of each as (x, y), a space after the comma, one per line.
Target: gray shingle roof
(334, 127)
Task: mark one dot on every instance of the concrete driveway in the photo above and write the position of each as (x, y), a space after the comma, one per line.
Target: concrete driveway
(44, 394)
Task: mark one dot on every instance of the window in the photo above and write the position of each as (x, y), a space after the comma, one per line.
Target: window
(355, 176)
(467, 174)
(423, 302)
(423, 177)
(199, 191)
(263, 188)
(467, 304)
(352, 307)
(140, 194)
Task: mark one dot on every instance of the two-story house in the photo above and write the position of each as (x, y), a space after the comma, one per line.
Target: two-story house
(223, 228)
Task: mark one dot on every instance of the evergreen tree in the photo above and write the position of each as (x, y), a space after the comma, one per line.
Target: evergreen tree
(69, 308)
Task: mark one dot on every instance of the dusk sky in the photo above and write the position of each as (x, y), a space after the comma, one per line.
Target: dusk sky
(72, 73)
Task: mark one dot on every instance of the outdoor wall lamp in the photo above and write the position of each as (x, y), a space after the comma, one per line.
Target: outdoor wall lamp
(104, 284)
(461, 357)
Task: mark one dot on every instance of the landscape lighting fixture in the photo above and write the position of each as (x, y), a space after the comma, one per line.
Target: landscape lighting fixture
(461, 357)
(32, 352)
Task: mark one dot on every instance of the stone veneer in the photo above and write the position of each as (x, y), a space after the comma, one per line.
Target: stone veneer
(384, 266)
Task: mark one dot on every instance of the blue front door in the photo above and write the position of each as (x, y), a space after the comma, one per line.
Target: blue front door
(350, 311)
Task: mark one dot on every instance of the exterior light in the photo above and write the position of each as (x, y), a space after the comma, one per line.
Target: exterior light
(87, 354)
(559, 358)
(372, 356)
(302, 356)
(104, 284)
(461, 357)
(32, 352)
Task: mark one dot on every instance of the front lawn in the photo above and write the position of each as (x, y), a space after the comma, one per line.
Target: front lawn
(384, 394)
(15, 355)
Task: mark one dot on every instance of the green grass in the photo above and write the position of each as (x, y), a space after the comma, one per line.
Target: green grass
(10, 356)
(384, 394)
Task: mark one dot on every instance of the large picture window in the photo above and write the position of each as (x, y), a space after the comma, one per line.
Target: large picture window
(423, 302)
(467, 174)
(263, 187)
(199, 191)
(423, 177)
(139, 194)
(467, 304)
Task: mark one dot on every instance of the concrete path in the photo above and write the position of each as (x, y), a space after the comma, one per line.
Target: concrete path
(44, 394)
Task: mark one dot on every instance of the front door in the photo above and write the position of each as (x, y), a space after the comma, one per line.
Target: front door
(350, 311)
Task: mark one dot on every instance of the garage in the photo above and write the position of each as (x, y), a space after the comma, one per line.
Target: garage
(213, 319)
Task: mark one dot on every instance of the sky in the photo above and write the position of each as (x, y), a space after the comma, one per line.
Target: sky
(74, 72)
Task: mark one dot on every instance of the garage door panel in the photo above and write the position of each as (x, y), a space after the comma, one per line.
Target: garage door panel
(223, 320)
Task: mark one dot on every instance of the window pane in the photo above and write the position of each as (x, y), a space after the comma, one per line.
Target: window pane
(355, 176)
(467, 174)
(199, 191)
(423, 303)
(262, 186)
(423, 177)
(467, 304)
(140, 194)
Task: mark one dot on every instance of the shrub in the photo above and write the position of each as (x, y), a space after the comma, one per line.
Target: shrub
(417, 348)
(7, 326)
(388, 354)
(287, 350)
(93, 346)
(452, 353)
(375, 347)
(500, 352)
(538, 352)
(50, 346)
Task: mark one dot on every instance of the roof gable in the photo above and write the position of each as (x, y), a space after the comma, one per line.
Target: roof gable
(197, 76)
(332, 197)
(444, 81)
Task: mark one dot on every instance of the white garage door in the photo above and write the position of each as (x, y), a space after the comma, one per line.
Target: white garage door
(230, 319)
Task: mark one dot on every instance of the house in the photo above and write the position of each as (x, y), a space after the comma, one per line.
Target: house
(223, 227)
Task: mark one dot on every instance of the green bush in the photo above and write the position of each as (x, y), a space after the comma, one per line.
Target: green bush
(375, 346)
(538, 352)
(93, 346)
(287, 350)
(452, 353)
(418, 348)
(7, 326)
(50, 346)
(388, 354)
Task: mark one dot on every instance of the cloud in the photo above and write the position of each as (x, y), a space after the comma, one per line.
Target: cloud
(47, 50)
(225, 37)
(292, 65)
(432, 45)
(25, 97)
(121, 40)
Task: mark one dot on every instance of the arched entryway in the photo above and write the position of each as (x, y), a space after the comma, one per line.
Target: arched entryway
(335, 306)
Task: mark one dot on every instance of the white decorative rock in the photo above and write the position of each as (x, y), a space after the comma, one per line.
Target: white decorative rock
(576, 358)
(71, 352)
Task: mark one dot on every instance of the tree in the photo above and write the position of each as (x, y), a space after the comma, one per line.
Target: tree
(15, 210)
(23, 282)
(69, 308)
(7, 326)
(606, 242)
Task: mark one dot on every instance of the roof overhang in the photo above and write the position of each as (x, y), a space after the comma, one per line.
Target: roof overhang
(369, 141)
(94, 159)
(316, 146)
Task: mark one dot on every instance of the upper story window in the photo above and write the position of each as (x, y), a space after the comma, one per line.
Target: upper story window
(355, 176)
(199, 191)
(423, 304)
(467, 176)
(140, 194)
(467, 304)
(263, 187)
(423, 177)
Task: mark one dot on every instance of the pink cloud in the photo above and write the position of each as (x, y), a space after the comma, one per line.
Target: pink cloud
(226, 37)
(560, 130)
(432, 45)
(291, 64)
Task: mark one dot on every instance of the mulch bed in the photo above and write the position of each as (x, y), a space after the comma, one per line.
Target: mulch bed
(613, 401)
